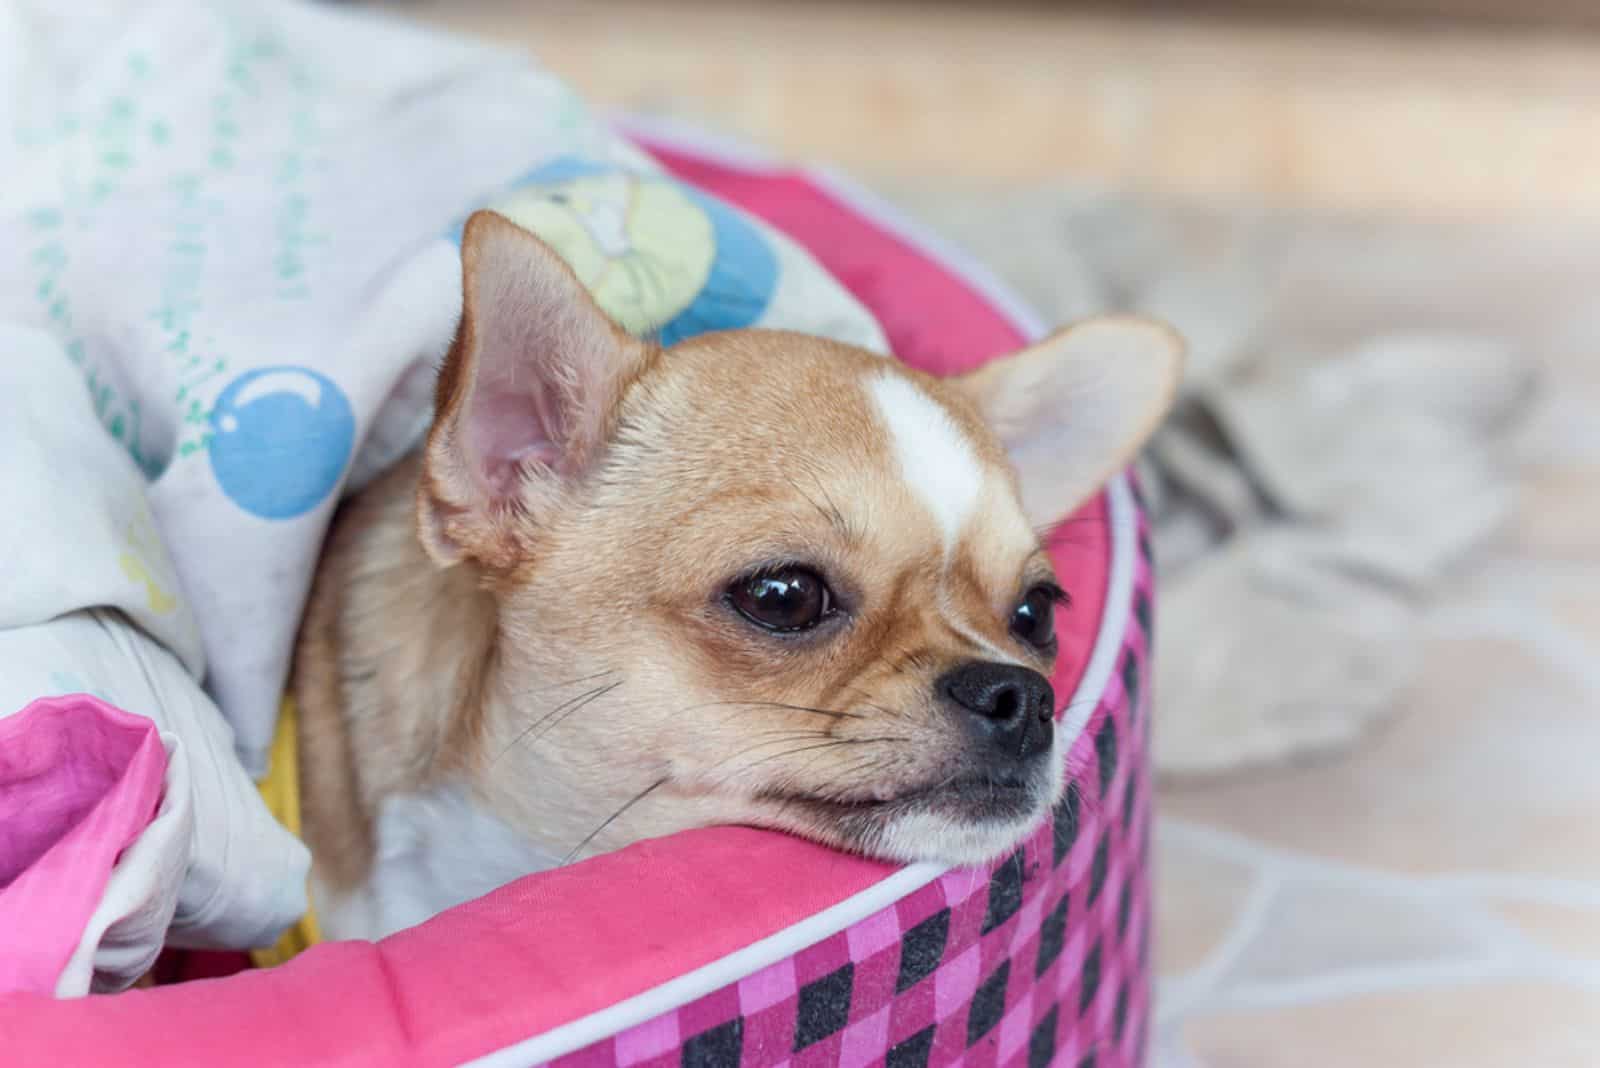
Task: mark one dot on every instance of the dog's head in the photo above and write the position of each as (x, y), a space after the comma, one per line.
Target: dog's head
(761, 577)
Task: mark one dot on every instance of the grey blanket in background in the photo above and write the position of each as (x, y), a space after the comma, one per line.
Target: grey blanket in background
(1344, 443)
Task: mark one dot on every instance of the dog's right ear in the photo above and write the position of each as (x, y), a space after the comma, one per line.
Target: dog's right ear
(1075, 407)
(525, 397)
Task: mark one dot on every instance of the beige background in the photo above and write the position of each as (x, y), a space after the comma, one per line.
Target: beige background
(1418, 120)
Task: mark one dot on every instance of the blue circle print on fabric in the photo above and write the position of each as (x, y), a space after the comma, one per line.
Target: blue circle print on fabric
(660, 257)
(281, 437)
(743, 277)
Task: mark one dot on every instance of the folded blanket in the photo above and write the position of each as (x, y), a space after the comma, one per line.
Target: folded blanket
(228, 268)
(238, 221)
(92, 605)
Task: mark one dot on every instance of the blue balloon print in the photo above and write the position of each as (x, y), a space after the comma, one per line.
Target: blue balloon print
(743, 277)
(281, 437)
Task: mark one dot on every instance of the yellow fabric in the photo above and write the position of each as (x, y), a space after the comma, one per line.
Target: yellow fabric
(281, 790)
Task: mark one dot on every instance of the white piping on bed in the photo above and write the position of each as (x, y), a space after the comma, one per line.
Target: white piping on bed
(1122, 520)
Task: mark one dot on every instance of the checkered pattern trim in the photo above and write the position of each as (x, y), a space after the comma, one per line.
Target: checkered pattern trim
(1041, 960)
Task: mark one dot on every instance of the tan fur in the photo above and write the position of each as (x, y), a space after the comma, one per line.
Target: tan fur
(389, 673)
(564, 647)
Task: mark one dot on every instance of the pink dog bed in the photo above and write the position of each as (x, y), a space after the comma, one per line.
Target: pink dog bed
(733, 946)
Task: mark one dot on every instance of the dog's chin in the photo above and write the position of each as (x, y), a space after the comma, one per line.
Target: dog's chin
(927, 836)
(967, 821)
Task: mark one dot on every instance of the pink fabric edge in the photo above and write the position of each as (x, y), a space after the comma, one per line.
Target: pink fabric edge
(521, 961)
(90, 777)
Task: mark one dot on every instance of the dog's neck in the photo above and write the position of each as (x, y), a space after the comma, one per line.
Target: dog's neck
(437, 848)
(393, 712)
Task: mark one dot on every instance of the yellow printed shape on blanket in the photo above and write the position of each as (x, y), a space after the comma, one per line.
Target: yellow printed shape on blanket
(144, 561)
(281, 791)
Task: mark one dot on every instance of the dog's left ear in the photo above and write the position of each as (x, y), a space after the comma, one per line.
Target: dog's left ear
(525, 399)
(1073, 409)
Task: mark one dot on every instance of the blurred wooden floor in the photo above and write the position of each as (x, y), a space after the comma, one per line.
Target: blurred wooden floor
(1399, 119)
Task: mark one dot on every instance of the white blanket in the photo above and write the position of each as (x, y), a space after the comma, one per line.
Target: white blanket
(236, 223)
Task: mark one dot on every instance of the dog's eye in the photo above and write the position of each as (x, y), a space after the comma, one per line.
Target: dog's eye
(1034, 620)
(788, 599)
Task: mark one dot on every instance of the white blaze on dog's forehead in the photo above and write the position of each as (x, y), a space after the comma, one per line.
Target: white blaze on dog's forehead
(936, 460)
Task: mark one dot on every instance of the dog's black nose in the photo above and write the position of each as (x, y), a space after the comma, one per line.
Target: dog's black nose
(1010, 705)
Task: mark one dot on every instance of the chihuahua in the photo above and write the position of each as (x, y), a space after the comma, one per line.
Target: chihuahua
(757, 577)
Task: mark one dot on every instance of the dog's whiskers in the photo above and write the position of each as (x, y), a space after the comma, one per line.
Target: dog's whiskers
(752, 706)
(831, 743)
(533, 691)
(609, 820)
(559, 714)
(573, 682)
(865, 766)
(787, 736)
(867, 702)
